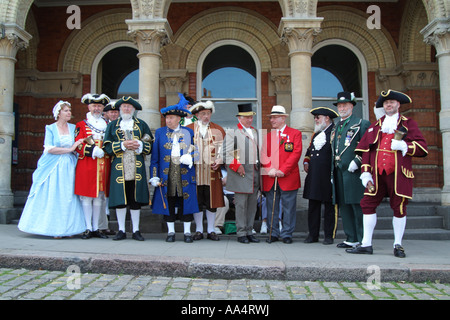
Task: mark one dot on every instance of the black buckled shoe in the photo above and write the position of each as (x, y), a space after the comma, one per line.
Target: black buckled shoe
(343, 245)
(98, 234)
(198, 236)
(310, 239)
(243, 239)
(137, 236)
(86, 235)
(188, 238)
(360, 250)
(253, 239)
(328, 241)
(170, 237)
(212, 236)
(120, 235)
(399, 252)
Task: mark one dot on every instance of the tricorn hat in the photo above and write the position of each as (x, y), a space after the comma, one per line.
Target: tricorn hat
(278, 111)
(325, 111)
(208, 105)
(178, 109)
(89, 98)
(345, 97)
(111, 106)
(128, 100)
(392, 95)
(245, 110)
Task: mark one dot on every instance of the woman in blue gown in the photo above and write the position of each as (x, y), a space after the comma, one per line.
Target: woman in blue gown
(52, 208)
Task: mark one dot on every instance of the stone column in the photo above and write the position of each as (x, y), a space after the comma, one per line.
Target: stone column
(437, 33)
(13, 39)
(173, 82)
(299, 35)
(150, 36)
(281, 77)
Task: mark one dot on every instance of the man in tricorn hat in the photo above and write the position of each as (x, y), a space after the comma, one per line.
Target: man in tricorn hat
(347, 189)
(241, 155)
(317, 182)
(172, 172)
(208, 138)
(93, 166)
(281, 152)
(387, 150)
(111, 112)
(128, 139)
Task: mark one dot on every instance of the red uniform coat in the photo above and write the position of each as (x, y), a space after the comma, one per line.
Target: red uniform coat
(91, 175)
(369, 148)
(282, 154)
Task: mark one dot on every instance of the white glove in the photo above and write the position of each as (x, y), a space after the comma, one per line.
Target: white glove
(186, 159)
(319, 140)
(97, 153)
(399, 145)
(352, 167)
(155, 181)
(365, 178)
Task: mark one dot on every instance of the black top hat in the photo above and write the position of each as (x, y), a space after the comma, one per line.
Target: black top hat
(325, 112)
(345, 97)
(245, 110)
(392, 95)
(128, 100)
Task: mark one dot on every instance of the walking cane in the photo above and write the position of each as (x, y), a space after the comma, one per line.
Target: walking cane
(273, 208)
(162, 197)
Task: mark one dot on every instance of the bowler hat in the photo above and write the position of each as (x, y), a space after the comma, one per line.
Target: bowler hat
(245, 110)
(392, 95)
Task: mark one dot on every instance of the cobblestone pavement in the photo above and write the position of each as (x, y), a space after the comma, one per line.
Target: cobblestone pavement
(22, 284)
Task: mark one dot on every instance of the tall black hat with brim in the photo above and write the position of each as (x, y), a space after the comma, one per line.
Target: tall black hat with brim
(325, 112)
(89, 98)
(128, 100)
(392, 95)
(345, 97)
(245, 110)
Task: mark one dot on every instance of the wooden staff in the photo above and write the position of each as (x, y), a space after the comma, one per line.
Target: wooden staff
(273, 207)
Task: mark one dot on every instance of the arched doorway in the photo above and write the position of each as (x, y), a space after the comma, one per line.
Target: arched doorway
(116, 71)
(228, 75)
(339, 67)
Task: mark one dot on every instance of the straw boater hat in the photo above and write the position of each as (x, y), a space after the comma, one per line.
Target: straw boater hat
(245, 110)
(208, 105)
(345, 97)
(392, 95)
(178, 109)
(95, 98)
(128, 100)
(278, 111)
(325, 112)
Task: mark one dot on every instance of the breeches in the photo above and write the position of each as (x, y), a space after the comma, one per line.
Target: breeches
(386, 187)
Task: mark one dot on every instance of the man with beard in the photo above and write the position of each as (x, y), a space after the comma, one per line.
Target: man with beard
(347, 188)
(318, 179)
(208, 138)
(128, 139)
(93, 166)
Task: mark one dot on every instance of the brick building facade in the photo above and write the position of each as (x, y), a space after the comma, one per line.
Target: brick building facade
(47, 61)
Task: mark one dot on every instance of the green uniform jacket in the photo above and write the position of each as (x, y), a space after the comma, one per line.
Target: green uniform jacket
(114, 136)
(343, 144)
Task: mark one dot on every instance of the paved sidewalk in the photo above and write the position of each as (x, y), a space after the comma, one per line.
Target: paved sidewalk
(21, 284)
(226, 259)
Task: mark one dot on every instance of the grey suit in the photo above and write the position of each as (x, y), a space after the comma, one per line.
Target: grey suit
(241, 148)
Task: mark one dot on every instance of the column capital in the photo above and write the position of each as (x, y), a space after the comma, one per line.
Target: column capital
(150, 35)
(299, 34)
(12, 39)
(173, 79)
(437, 33)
